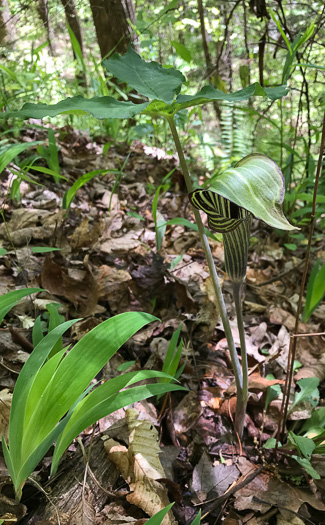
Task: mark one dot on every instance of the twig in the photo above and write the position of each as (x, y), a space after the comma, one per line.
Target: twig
(293, 338)
(244, 480)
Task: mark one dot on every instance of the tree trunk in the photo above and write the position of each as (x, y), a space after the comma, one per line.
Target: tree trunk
(6, 25)
(211, 71)
(42, 9)
(112, 28)
(72, 17)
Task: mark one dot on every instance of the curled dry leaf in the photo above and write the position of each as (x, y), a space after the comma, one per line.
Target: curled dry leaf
(5, 404)
(209, 481)
(140, 465)
(82, 291)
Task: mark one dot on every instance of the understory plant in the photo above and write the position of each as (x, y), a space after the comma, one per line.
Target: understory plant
(254, 187)
(52, 400)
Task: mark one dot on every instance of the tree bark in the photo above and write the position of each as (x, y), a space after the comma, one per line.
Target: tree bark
(207, 56)
(6, 25)
(42, 9)
(72, 17)
(112, 28)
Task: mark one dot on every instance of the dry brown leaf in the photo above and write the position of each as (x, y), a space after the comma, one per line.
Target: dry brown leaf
(118, 454)
(85, 235)
(27, 224)
(151, 497)
(84, 513)
(140, 465)
(270, 491)
(259, 383)
(209, 481)
(187, 413)
(82, 291)
(5, 404)
(11, 510)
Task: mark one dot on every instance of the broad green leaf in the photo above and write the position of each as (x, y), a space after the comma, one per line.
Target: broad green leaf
(272, 392)
(125, 366)
(256, 183)
(308, 391)
(3, 251)
(182, 51)
(10, 152)
(315, 290)
(77, 49)
(317, 420)
(176, 261)
(8, 300)
(197, 519)
(106, 399)
(150, 79)
(305, 445)
(270, 443)
(98, 107)
(209, 93)
(305, 463)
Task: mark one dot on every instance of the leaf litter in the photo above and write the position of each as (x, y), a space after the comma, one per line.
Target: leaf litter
(107, 265)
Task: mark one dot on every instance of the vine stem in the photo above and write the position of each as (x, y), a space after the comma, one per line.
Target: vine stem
(239, 422)
(293, 337)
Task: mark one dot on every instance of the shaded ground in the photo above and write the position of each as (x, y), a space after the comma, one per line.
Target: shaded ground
(108, 264)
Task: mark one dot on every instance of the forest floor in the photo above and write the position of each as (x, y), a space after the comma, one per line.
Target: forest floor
(107, 264)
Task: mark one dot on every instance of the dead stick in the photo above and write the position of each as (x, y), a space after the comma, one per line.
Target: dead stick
(293, 339)
(244, 480)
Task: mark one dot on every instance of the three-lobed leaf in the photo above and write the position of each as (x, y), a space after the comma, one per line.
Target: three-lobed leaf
(161, 85)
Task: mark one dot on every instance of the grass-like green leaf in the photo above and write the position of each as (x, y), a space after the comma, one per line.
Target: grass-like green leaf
(315, 290)
(51, 401)
(10, 151)
(71, 192)
(150, 79)
(106, 399)
(8, 300)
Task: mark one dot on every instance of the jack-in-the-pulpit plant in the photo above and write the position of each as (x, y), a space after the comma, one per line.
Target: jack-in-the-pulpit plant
(254, 187)
(161, 89)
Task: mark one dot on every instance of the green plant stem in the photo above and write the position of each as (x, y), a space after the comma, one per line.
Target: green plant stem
(214, 277)
(242, 403)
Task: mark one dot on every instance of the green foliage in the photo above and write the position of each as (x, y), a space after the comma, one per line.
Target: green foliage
(256, 184)
(151, 80)
(71, 192)
(173, 357)
(308, 392)
(9, 151)
(315, 290)
(10, 299)
(52, 401)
